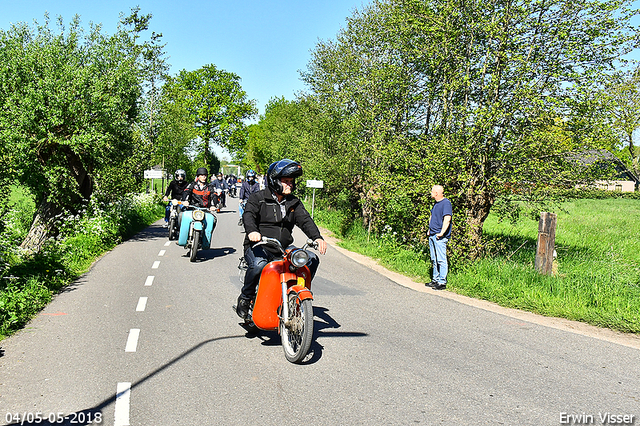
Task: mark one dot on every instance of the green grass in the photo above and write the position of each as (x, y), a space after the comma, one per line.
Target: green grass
(598, 265)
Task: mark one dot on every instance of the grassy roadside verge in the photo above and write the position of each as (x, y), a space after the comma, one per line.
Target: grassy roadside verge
(598, 279)
(28, 282)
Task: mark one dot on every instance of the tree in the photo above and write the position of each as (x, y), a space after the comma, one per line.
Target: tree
(624, 96)
(277, 135)
(479, 96)
(218, 107)
(175, 129)
(68, 102)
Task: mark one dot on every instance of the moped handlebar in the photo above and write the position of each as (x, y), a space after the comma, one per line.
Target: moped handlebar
(276, 243)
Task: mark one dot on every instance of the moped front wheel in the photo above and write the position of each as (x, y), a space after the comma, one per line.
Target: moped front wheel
(194, 245)
(297, 334)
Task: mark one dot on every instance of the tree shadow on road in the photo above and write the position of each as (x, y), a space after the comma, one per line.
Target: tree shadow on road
(89, 415)
(150, 232)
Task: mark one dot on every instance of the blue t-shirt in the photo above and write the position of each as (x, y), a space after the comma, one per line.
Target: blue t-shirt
(441, 209)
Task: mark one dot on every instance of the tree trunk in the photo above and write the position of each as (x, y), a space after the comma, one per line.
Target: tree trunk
(42, 228)
(479, 205)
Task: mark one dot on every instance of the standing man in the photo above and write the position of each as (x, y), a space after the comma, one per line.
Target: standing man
(439, 234)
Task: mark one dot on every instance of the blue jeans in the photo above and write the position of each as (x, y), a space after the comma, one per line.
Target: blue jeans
(167, 211)
(438, 251)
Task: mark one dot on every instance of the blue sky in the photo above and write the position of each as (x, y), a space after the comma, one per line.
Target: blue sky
(265, 42)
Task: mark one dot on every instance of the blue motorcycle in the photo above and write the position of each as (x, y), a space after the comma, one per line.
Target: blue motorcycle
(196, 229)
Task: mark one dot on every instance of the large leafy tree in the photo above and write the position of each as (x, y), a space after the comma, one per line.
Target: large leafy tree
(68, 102)
(279, 134)
(624, 102)
(483, 97)
(218, 108)
(175, 129)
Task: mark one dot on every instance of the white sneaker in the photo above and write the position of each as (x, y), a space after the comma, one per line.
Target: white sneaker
(165, 225)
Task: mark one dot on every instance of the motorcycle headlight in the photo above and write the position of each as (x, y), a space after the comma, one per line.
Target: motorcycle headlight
(198, 215)
(299, 258)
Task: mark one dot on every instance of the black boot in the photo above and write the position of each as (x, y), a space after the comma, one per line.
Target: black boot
(242, 308)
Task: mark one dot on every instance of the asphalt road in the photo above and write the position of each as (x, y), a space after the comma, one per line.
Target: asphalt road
(383, 354)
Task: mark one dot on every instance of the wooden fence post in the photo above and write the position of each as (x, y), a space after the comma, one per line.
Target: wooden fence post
(546, 242)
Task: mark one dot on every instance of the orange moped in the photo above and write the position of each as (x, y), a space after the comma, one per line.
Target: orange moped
(283, 299)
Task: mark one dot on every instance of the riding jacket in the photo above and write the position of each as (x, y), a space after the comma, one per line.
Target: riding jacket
(176, 189)
(222, 184)
(199, 195)
(264, 214)
(248, 189)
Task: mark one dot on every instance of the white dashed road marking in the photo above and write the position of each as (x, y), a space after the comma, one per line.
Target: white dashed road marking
(162, 252)
(123, 400)
(149, 280)
(155, 264)
(132, 340)
(167, 244)
(142, 304)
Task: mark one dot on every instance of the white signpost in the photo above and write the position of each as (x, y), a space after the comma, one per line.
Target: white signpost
(154, 174)
(314, 184)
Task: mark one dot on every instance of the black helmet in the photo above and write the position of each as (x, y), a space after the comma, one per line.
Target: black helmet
(182, 173)
(251, 174)
(202, 171)
(281, 169)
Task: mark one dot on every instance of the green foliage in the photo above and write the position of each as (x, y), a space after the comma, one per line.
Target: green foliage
(484, 98)
(623, 102)
(175, 130)
(216, 106)
(69, 100)
(68, 104)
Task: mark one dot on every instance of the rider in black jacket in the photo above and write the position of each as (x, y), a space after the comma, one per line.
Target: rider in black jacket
(200, 193)
(273, 212)
(220, 183)
(248, 187)
(175, 189)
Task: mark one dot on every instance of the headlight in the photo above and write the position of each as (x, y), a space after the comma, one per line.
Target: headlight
(299, 258)
(198, 215)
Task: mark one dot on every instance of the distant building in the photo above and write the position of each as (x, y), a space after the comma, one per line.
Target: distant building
(623, 179)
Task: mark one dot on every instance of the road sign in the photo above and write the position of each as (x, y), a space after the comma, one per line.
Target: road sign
(315, 184)
(153, 174)
(311, 183)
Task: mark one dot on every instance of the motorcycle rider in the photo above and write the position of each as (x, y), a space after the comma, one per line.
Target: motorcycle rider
(200, 193)
(273, 212)
(249, 186)
(231, 181)
(220, 183)
(175, 189)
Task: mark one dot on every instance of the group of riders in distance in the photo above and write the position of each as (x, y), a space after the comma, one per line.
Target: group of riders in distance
(276, 292)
